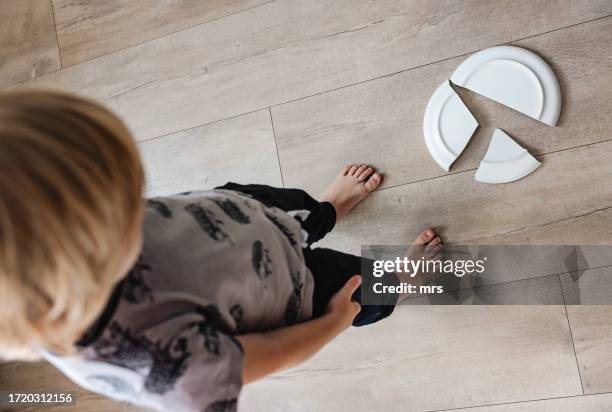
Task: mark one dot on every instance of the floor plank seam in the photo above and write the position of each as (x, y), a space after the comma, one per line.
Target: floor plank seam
(200, 125)
(514, 231)
(534, 277)
(569, 326)
(516, 402)
(314, 94)
(439, 61)
(59, 51)
(474, 168)
(280, 168)
(171, 33)
(390, 186)
(572, 148)
(369, 80)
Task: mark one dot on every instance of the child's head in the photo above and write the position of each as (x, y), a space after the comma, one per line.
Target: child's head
(70, 214)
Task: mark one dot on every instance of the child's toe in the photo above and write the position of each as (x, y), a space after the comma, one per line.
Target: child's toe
(373, 182)
(367, 172)
(360, 170)
(425, 237)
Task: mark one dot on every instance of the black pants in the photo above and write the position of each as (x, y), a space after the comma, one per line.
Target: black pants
(330, 269)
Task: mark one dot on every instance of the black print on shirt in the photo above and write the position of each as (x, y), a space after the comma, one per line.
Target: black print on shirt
(295, 300)
(169, 364)
(135, 289)
(119, 346)
(284, 229)
(212, 342)
(160, 207)
(208, 222)
(232, 210)
(211, 324)
(228, 405)
(237, 313)
(209, 327)
(260, 258)
(248, 204)
(163, 363)
(211, 315)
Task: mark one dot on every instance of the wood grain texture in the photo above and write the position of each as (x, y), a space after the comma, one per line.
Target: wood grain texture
(540, 290)
(593, 342)
(89, 29)
(286, 50)
(427, 358)
(28, 45)
(590, 325)
(587, 229)
(572, 182)
(241, 150)
(591, 228)
(591, 403)
(588, 287)
(43, 377)
(430, 357)
(380, 122)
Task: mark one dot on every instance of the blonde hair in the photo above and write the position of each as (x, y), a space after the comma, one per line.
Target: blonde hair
(70, 205)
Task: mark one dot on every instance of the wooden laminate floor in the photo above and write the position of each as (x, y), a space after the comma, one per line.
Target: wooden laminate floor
(285, 92)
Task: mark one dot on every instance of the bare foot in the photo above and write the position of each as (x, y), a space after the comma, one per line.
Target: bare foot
(429, 242)
(427, 245)
(351, 186)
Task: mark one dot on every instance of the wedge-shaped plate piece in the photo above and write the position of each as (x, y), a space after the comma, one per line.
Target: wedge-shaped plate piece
(448, 125)
(505, 161)
(514, 77)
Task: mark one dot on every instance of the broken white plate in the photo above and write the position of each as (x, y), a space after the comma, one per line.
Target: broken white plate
(514, 77)
(505, 161)
(448, 125)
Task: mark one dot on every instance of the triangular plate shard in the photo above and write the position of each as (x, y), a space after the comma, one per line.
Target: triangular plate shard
(514, 77)
(448, 125)
(505, 161)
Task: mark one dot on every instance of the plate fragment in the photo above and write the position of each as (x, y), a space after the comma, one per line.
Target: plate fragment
(505, 161)
(448, 125)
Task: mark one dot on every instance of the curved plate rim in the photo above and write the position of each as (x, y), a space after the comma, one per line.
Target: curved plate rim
(549, 84)
(436, 145)
(513, 168)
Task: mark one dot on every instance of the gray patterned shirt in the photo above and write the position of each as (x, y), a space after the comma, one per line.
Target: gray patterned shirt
(214, 264)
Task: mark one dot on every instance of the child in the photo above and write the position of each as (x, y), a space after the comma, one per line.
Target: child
(173, 303)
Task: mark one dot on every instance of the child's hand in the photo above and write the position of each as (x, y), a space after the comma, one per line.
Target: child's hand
(341, 304)
(266, 353)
